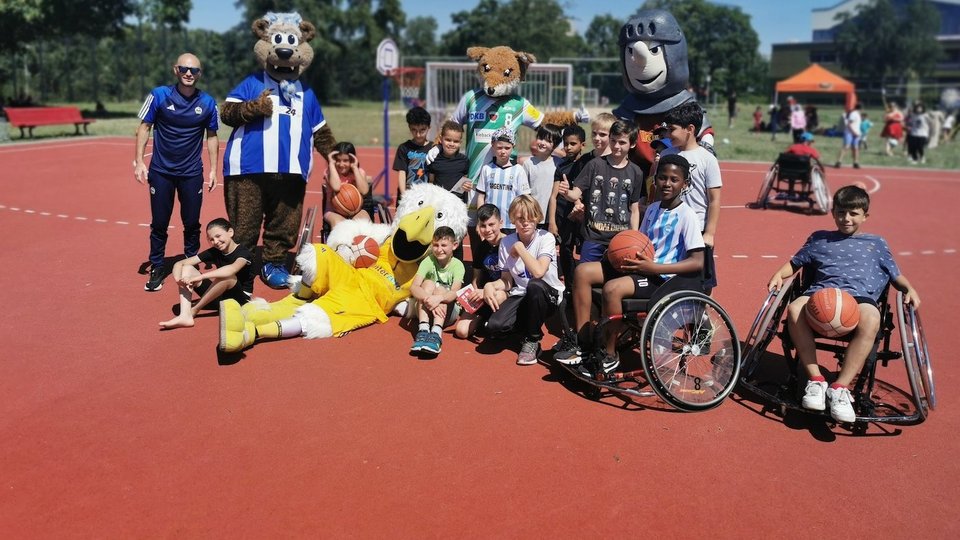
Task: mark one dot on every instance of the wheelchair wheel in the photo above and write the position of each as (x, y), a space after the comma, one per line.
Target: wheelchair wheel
(820, 190)
(689, 351)
(764, 326)
(916, 356)
(767, 186)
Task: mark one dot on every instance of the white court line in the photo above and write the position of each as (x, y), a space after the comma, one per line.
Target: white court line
(122, 222)
(905, 253)
(100, 220)
(768, 256)
(949, 251)
(876, 184)
(28, 211)
(927, 252)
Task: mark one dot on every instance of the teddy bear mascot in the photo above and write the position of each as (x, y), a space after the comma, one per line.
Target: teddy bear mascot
(334, 298)
(653, 60)
(277, 122)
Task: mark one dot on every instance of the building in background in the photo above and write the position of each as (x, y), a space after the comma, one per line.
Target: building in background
(787, 59)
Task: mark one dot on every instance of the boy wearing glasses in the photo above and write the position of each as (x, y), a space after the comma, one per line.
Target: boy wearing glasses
(181, 117)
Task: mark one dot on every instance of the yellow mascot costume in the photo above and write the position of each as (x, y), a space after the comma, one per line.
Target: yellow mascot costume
(335, 298)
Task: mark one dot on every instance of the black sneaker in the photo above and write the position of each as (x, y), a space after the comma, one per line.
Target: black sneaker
(608, 362)
(567, 351)
(155, 283)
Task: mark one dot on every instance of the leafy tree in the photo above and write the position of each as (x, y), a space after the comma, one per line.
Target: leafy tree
(602, 36)
(878, 41)
(722, 45)
(420, 37)
(493, 22)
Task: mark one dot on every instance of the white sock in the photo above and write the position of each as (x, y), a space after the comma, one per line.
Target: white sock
(424, 326)
(437, 329)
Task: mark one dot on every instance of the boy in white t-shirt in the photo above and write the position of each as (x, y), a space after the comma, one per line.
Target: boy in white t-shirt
(702, 193)
(851, 136)
(541, 167)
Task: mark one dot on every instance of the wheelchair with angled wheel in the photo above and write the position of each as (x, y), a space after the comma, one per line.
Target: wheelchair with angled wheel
(876, 394)
(687, 347)
(795, 181)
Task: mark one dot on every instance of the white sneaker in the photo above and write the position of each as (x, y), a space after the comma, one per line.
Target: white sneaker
(841, 405)
(814, 396)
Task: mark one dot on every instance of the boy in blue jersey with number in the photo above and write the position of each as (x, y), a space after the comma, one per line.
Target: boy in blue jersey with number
(181, 116)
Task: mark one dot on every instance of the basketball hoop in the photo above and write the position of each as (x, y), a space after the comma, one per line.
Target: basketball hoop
(408, 80)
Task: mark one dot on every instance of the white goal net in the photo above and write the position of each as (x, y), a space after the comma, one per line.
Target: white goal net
(549, 87)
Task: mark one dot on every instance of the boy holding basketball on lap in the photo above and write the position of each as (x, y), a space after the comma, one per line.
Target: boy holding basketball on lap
(435, 289)
(678, 252)
(860, 264)
(231, 279)
(344, 168)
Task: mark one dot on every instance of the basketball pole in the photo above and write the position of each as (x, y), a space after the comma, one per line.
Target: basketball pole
(386, 137)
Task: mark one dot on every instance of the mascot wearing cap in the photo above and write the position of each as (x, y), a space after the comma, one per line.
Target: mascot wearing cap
(334, 298)
(653, 59)
(277, 122)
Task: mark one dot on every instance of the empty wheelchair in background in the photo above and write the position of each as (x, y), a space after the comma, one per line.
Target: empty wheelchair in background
(688, 350)
(879, 395)
(795, 182)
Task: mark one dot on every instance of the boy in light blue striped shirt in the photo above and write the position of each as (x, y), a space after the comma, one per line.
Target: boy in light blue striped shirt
(501, 181)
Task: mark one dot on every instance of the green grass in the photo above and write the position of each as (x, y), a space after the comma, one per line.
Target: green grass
(361, 123)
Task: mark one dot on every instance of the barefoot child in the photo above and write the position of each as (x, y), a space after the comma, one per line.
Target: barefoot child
(231, 279)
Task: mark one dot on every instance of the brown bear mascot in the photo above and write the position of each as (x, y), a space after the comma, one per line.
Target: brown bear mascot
(277, 122)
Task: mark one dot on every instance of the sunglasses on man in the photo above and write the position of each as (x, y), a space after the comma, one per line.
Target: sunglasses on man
(184, 69)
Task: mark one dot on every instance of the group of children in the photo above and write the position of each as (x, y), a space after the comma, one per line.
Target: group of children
(527, 221)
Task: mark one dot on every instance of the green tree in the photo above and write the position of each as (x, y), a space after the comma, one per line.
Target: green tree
(547, 34)
(878, 42)
(420, 37)
(722, 45)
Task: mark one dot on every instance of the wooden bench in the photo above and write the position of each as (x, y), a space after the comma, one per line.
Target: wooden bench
(31, 117)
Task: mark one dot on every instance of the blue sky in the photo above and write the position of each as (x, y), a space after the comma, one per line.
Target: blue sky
(776, 21)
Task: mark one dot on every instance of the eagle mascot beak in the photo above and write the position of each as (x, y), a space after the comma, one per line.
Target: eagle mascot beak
(414, 235)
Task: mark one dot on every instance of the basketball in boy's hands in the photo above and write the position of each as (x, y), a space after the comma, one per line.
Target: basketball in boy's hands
(348, 201)
(626, 245)
(362, 252)
(832, 312)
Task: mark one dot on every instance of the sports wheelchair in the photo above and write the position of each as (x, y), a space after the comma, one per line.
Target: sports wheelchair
(795, 181)
(687, 346)
(876, 398)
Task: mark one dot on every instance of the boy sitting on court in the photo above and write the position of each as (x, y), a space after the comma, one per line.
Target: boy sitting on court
(231, 279)
(674, 231)
(611, 187)
(486, 267)
(435, 289)
(858, 263)
(410, 161)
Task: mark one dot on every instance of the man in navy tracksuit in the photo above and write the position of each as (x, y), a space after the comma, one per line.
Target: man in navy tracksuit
(181, 116)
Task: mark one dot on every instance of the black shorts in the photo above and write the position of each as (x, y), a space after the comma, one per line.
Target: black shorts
(234, 293)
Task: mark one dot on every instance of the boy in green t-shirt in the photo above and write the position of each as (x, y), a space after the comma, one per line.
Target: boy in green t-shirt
(435, 289)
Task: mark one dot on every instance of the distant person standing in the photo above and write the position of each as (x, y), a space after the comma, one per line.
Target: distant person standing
(918, 133)
(851, 136)
(798, 120)
(731, 108)
(181, 116)
(774, 121)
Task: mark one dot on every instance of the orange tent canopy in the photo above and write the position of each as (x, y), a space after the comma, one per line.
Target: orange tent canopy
(818, 79)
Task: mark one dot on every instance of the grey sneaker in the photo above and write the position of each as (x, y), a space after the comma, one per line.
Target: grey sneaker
(529, 352)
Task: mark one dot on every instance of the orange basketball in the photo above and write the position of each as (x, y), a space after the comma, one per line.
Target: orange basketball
(832, 312)
(348, 201)
(626, 245)
(365, 250)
